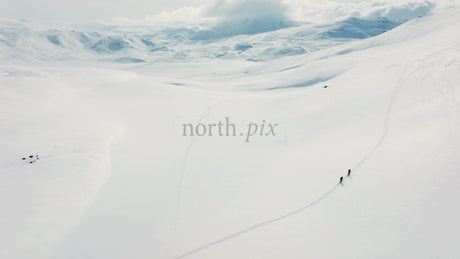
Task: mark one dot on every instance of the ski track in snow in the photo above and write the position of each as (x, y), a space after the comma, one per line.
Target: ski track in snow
(382, 138)
(384, 135)
(386, 121)
(449, 98)
(181, 179)
(256, 226)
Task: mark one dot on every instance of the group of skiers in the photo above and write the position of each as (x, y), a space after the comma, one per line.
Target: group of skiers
(32, 158)
(348, 175)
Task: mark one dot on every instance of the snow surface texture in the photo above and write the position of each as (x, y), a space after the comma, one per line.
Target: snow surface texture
(102, 107)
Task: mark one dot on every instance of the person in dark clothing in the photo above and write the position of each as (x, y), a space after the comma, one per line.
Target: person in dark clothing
(341, 179)
(349, 172)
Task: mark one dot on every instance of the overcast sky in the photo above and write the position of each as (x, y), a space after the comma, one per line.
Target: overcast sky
(81, 10)
(69, 11)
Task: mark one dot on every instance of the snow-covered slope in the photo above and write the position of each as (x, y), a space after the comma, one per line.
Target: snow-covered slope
(115, 177)
(259, 38)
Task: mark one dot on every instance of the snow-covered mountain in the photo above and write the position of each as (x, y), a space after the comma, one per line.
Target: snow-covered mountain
(262, 38)
(94, 163)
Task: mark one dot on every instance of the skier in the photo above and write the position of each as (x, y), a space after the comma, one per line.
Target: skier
(341, 179)
(349, 172)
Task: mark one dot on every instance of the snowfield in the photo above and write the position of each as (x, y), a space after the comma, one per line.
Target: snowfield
(103, 109)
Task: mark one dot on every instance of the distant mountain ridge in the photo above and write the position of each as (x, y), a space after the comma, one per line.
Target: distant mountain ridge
(258, 38)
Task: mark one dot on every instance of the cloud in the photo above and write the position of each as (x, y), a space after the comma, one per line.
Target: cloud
(246, 8)
(235, 17)
(286, 11)
(334, 10)
(404, 11)
(58, 11)
(226, 18)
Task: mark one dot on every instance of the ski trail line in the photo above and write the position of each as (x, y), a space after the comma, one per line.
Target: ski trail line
(182, 176)
(449, 96)
(273, 220)
(386, 121)
(256, 226)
